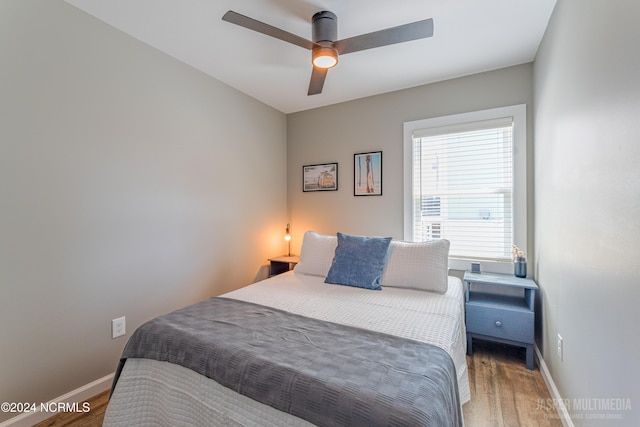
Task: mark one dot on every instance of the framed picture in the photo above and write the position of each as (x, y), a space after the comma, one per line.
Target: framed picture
(367, 174)
(322, 177)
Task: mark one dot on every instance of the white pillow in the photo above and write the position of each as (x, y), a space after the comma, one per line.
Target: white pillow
(316, 254)
(417, 265)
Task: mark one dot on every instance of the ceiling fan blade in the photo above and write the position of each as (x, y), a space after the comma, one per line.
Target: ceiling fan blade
(317, 80)
(402, 33)
(269, 30)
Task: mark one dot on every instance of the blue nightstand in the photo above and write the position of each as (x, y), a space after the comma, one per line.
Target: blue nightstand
(500, 308)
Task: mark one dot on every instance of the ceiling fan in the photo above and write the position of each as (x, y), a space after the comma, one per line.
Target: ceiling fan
(325, 48)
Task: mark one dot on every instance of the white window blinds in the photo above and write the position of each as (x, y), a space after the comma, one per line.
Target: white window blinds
(463, 187)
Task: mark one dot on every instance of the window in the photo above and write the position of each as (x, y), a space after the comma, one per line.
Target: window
(465, 181)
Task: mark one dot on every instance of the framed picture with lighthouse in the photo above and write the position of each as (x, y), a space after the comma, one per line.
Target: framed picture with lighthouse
(367, 174)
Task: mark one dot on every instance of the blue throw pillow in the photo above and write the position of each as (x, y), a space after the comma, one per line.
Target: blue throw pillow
(359, 261)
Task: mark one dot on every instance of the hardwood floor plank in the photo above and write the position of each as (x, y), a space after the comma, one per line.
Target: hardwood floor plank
(486, 399)
(93, 418)
(510, 387)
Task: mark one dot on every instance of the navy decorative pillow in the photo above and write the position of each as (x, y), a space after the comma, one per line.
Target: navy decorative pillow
(358, 261)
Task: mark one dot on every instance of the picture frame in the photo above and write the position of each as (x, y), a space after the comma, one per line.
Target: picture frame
(367, 174)
(320, 177)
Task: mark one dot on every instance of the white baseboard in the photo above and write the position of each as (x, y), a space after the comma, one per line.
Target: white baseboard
(81, 394)
(565, 418)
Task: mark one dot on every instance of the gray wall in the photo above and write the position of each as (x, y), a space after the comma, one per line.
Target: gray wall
(587, 200)
(335, 133)
(130, 185)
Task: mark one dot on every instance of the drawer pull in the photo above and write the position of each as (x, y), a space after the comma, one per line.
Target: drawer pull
(498, 323)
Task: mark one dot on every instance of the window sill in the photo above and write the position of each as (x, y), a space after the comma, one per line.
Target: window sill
(486, 266)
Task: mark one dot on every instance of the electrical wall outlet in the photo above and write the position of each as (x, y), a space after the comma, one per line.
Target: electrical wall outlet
(560, 347)
(118, 327)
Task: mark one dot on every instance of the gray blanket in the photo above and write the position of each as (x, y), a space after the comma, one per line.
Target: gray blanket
(325, 373)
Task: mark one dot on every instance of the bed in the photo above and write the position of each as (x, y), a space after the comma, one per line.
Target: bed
(425, 319)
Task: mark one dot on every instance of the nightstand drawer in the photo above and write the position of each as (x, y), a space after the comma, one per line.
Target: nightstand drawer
(516, 325)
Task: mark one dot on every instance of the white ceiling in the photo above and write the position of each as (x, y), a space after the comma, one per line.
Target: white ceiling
(470, 36)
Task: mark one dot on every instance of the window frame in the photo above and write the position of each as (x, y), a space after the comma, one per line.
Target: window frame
(519, 113)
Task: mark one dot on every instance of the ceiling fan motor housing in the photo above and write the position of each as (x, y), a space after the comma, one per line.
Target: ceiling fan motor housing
(324, 31)
(324, 28)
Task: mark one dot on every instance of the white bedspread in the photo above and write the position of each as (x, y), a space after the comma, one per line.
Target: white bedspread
(146, 387)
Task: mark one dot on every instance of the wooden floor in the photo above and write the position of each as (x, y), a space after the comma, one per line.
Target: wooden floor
(503, 393)
(93, 418)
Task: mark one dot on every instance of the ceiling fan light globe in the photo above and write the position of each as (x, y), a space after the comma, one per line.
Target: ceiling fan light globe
(325, 57)
(325, 62)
